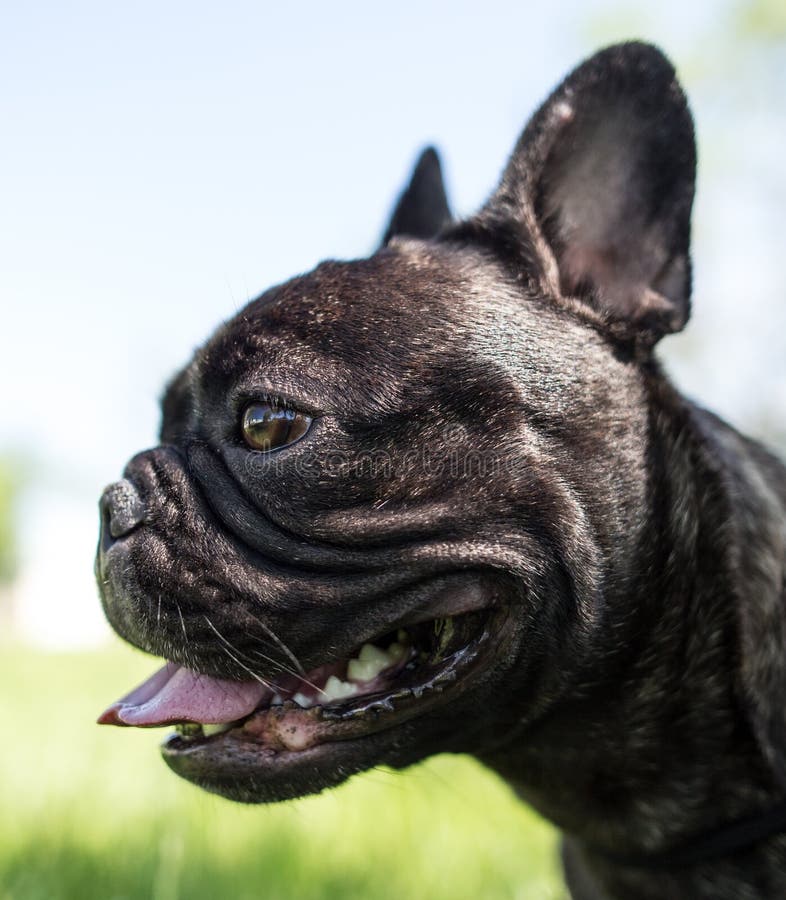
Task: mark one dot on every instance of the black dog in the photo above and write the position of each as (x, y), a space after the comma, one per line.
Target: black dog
(461, 456)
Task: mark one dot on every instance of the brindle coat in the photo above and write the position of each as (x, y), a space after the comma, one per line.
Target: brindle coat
(635, 541)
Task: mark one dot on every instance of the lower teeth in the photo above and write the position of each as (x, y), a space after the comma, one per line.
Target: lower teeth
(368, 665)
(194, 729)
(209, 730)
(188, 729)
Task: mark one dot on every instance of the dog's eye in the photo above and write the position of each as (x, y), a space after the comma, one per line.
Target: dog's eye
(267, 426)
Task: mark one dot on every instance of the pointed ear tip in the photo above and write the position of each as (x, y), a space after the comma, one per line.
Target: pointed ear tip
(636, 47)
(635, 52)
(428, 158)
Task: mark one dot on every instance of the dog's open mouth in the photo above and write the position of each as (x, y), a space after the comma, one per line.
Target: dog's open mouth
(401, 674)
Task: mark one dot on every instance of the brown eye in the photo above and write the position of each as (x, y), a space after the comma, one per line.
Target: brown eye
(267, 426)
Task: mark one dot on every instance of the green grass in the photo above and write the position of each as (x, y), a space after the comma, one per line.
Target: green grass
(91, 812)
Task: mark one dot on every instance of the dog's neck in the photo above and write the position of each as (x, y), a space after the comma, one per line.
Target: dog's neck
(657, 749)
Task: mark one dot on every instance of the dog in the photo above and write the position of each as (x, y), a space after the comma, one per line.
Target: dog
(443, 499)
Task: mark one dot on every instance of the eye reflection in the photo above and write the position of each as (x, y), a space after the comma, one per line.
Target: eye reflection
(268, 426)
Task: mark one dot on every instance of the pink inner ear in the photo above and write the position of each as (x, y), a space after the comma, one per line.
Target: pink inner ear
(600, 267)
(580, 263)
(631, 282)
(612, 186)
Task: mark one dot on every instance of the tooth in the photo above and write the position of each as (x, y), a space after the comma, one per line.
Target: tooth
(188, 729)
(302, 700)
(336, 689)
(372, 654)
(277, 700)
(397, 651)
(369, 663)
(362, 671)
(209, 730)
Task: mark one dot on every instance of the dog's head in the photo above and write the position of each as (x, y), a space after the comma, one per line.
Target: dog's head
(395, 496)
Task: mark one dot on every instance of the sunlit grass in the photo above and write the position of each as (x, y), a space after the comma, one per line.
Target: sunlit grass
(91, 812)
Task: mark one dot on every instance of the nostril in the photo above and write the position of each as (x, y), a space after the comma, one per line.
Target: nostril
(105, 539)
(122, 510)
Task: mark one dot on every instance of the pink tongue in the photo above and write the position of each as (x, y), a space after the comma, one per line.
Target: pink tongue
(175, 694)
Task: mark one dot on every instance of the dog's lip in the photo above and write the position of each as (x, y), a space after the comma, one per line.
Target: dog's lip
(266, 744)
(178, 695)
(182, 692)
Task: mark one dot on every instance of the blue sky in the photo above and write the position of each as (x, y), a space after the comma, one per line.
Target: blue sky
(164, 162)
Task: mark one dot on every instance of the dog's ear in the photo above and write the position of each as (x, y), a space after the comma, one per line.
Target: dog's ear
(595, 201)
(422, 209)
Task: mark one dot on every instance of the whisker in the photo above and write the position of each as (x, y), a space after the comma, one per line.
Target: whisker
(287, 670)
(298, 674)
(228, 648)
(275, 662)
(182, 621)
(277, 640)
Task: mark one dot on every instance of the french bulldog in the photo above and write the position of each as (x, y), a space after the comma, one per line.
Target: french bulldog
(444, 499)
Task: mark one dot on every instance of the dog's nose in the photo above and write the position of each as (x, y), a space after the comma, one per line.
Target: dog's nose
(122, 511)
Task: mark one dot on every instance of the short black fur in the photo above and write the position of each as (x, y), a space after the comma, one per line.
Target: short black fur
(492, 428)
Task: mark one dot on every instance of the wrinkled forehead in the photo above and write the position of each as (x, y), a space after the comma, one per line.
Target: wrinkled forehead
(398, 312)
(416, 325)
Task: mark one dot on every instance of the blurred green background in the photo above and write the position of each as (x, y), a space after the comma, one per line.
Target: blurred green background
(90, 812)
(160, 164)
